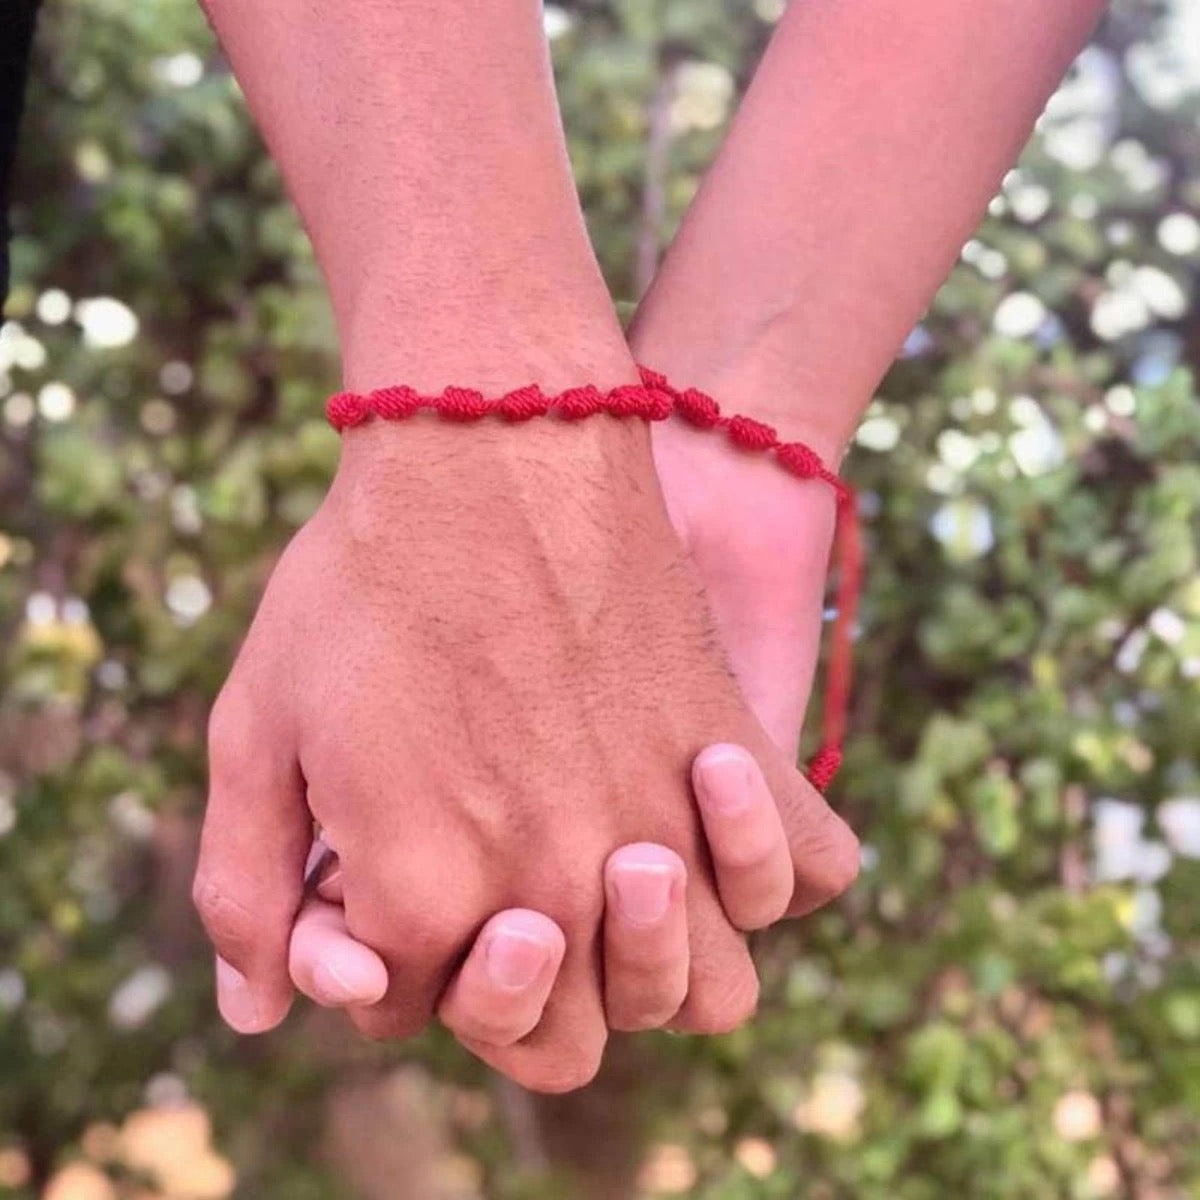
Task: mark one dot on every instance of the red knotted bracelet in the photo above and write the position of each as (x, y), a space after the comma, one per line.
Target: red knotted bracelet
(654, 399)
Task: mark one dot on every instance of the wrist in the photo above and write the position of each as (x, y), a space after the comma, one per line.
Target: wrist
(749, 379)
(736, 510)
(578, 488)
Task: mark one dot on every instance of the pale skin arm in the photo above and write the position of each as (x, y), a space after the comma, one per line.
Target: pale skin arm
(864, 154)
(862, 157)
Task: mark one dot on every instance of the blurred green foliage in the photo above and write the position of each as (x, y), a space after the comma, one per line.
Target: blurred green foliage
(1007, 1005)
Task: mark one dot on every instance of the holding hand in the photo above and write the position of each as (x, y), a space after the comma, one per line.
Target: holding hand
(478, 730)
(499, 994)
(768, 607)
(479, 719)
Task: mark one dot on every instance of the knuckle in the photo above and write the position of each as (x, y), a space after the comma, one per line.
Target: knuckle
(485, 1019)
(746, 852)
(417, 929)
(826, 865)
(556, 1074)
(388, 1023)
(223, 727)
(230, 925)
(633, 969)
(428, 938)
(761, 910)
(570, 906)
(630, 1014)
(842, 858)
(490, 1031)
(723, 1007)
(240, 735)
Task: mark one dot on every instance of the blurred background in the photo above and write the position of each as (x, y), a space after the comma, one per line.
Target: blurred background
(1006, 1005)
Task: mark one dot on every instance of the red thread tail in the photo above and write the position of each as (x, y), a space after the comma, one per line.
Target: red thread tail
(848, 547)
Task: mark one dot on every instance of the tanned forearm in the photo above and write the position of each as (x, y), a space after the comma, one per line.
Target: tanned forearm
(420, 140)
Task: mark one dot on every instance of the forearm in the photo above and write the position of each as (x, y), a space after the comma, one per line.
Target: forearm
(421, 142)
(864, 154)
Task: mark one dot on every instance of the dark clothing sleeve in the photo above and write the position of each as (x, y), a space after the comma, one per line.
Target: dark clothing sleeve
(16, 39)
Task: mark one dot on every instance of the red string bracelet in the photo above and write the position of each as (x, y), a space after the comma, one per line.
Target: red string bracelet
(654, 399)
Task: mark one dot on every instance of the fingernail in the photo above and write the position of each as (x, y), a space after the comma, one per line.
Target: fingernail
(236, 1000)
(643, 891)
(724, 782)
(513, 959)
(342, 982)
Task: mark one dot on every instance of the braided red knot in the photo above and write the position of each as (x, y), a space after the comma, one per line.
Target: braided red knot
(654, 399)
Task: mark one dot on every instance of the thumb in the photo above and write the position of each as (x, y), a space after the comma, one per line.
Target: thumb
(247, 890)
(328, 965)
